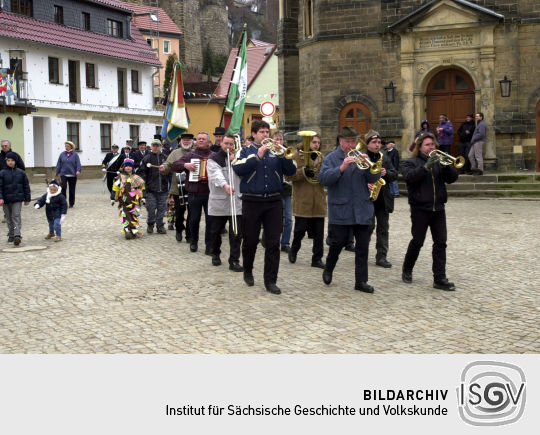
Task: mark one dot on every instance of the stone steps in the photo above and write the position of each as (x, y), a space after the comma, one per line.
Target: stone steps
(501, 185)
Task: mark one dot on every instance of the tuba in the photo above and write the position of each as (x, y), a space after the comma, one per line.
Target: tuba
(278, 150)
(446, 159)
(309, 162)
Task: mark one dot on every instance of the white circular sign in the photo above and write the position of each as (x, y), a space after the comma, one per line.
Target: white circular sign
(267, 108)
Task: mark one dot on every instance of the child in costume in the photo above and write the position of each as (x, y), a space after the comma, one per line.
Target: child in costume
(55, 209)
(128, 191)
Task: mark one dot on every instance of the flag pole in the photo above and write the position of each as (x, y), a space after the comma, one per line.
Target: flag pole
(235, 65)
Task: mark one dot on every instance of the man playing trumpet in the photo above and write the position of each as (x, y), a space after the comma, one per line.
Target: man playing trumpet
(219, 202)
(349, 206)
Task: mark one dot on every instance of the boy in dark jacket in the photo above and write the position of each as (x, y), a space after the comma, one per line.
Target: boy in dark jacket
(426, 186)
(55, 209)
(14, 190)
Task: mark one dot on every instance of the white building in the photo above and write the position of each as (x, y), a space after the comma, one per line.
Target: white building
(87, 72)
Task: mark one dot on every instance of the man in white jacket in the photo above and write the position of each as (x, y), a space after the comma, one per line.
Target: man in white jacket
(224, 183)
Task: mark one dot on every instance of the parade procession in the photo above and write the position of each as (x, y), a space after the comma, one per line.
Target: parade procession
(319, 161)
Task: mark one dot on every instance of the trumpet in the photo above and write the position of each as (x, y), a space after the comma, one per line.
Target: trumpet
(363, 162)
(278, 150)
(446, 159)
(314, 163)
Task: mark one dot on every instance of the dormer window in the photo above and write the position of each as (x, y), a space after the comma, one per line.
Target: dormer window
(86, 21)
(154, 17)
(114, 28)
(58, 14)
(22, 7)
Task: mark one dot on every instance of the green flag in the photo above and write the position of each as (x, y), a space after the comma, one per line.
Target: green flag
(238, 90)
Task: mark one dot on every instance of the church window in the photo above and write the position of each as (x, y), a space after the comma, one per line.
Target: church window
(308, 18)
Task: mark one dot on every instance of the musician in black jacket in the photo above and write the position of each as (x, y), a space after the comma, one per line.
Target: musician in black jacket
(108, 162)
(465, 133)
(426, 185)
(384, 203)
(139, 154)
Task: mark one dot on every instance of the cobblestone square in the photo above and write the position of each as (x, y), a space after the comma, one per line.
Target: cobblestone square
(95, 292)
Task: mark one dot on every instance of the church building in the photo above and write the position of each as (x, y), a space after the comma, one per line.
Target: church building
(389, 64)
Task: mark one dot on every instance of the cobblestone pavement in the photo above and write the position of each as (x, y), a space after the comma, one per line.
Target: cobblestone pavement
(95, 292)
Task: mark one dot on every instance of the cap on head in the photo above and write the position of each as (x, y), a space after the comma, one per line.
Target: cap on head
(371, 134)
(348, 132)
(156, 142)
(128, 162)
(186, 136)
(115, 146)
(11, 155)
(53, 182)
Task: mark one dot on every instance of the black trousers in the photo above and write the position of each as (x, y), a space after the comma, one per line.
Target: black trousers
(382, 217)
(315, 226)
(339, 238)
(464, 149)
(217, 224)
(436, 221)
(196, 205)
(180, 210)
(110, 181)
(269, 214)
(71, 182)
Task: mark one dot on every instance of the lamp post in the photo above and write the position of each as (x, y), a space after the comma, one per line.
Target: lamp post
(390, 93)
(506, 87)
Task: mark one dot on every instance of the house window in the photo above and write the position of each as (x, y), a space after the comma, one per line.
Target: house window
(114, 28)
(150, 42)
(308, 18)
(54, 72)
(58, 14)
(90, 75)
(86, 20)
(73, 133)
(166, 47)
(22, 7)
(121, 79)
(134, 133)
(105, 134)
(135, 81)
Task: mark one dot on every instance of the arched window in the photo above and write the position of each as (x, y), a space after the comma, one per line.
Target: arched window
(308, 18)
(355, 115)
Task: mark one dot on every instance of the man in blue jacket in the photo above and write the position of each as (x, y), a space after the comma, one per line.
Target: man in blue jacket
(68, 167)
(349, 207)
(262, 178)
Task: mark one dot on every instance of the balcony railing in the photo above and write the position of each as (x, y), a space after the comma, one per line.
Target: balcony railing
(13, 89)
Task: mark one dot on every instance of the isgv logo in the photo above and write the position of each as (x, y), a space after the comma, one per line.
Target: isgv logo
(491, 393)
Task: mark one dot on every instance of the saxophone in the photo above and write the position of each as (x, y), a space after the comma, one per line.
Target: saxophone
(376, 189)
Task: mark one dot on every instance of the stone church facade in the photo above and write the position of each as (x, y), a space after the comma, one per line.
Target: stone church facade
(441, 56)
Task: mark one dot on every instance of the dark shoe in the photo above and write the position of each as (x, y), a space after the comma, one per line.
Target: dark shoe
(10, 239)
(17, 240)
(318, 263)
(216, 261)
(292, 256)
(272, 288)
(327, 276)
(406, 276)
(193, 247)
(207, 251)
(150, 229)
(236, 267)
(350, 247)
(248, 279)
(479, 172)
(188, 239)
(71, 205)
(285, 248)
(178, 237)
(384, 263)
(364, 287)
(444, 284)
(161, 230)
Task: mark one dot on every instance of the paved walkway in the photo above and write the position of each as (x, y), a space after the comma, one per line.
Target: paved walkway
(98, 293)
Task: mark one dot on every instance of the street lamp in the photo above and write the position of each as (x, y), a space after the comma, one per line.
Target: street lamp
(506, 87)
(390, 92)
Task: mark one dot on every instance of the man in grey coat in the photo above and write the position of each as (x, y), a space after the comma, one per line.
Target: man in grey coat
(349, 206)
(477, 145)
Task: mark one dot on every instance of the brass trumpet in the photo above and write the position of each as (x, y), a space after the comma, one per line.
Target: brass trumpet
(278, 150)
(446, 159)
(312, 163)
(363, 162)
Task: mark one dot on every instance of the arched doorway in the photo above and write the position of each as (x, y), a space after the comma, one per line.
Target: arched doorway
(451, 92)
(537, 166)
(355, 115)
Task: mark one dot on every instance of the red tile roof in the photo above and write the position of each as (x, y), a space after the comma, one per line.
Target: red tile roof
(256, 59)
(112, 3)
(144, 22)
(44, 32)
(258, 43)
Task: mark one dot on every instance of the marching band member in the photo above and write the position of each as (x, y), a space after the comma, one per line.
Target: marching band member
(384, 203)
(262, 177)
(198, 191)
(348, 207)
(309, 205)
(219, 202)
(426, 185)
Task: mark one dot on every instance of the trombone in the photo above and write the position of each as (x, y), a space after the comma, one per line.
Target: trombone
(236, 149)
(278, 150)
(446, 159)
